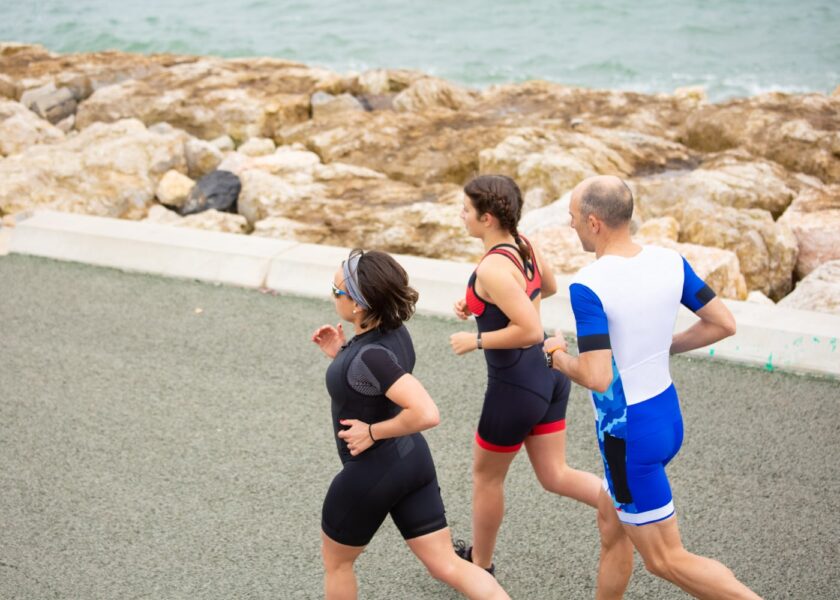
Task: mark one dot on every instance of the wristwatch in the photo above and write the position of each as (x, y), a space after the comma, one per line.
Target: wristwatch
(549, 356)
(478, 344)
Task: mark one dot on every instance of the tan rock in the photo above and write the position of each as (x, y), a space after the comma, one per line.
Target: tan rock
(657, 230)
(719, 268)
(107, 170)
(553, 215)
(30, 67)
(288, 229)
(553, 161)
(257, 147)
(20, 129)
(265, 195)
(384, 81)
(561, 249)
(8, 88)
(324, 104)
(50, 103)
(433, 92)
(814, 217)
(432, 229)
(433, 146)
(202, 157)
(291, 161)
(174, 188)
(724, 180)
(209, 220)
(212, 97)
(66, 125)
(533, 102)
(799, 132)
(819, 291)
(766, 250)
(224, 143)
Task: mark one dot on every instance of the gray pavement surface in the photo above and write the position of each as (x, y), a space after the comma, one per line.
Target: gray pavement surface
(149, 449)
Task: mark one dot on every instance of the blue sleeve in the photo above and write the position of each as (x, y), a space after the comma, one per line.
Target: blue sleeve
(592, 329)
(695, 293)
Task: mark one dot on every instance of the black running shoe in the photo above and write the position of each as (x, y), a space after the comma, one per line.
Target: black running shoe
(465, 552)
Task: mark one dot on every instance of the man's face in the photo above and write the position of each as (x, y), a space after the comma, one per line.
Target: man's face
(580, 225)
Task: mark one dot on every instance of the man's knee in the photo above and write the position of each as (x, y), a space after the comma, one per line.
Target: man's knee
(609, 526)
(661, 566)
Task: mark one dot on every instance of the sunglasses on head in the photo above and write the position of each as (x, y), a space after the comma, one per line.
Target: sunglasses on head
(337, 292)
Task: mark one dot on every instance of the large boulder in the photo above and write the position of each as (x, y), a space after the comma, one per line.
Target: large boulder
(553, 161)
(731, 179)
(20, 129)
(800, 132)
(212, 97)
(561, 250)
(432, 146)
(109, 170)
(428, 228)
(819, 291)
(30, 67)
(814, 217)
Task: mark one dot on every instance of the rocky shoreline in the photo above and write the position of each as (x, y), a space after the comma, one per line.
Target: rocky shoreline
(748, 189)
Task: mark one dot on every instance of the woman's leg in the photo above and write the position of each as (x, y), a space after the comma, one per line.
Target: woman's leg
(489, 471)
(547, 453)
(339, 579)
(436, 553)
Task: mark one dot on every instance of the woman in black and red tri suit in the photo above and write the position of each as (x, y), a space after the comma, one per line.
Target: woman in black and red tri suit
(378, 411)
(525, 401)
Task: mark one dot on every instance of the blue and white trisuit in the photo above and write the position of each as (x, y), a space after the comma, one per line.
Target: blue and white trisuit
(629, 305)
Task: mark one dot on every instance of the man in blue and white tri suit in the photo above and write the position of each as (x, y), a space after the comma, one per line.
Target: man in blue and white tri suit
(625, 306)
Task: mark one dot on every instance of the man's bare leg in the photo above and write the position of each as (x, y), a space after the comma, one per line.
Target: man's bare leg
(616, 564)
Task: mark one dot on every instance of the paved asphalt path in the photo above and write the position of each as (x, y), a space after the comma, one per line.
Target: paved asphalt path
(171, 439)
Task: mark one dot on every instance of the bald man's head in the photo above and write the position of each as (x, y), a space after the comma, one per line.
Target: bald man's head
(607, 197)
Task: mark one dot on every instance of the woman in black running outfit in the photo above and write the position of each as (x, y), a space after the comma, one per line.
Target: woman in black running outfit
(378, 410)
(525, 401)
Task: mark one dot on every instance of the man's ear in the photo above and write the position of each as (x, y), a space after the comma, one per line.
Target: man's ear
(593, 223)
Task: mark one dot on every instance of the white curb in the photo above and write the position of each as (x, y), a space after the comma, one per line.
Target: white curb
(771, 337)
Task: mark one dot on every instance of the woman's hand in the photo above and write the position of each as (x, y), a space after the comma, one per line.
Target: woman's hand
(329, 339)
(463, 342)
(357, 436)
(556, 342)
(462, 311)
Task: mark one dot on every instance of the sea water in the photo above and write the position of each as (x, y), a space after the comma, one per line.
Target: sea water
(730, 47)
